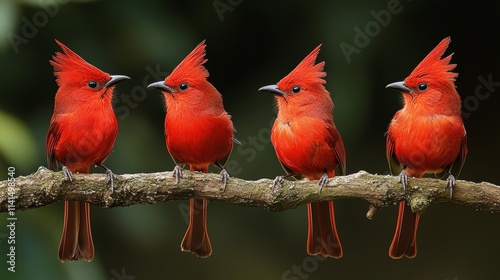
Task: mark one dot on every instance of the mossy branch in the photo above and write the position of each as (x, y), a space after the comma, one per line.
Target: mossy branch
(46, 187)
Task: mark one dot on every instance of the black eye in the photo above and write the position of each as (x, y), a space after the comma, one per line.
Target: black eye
(422, 86)
(183, 86)
(296, 89)
(92, 84)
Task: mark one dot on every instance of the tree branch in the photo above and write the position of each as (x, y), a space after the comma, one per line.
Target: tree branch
(46, 187)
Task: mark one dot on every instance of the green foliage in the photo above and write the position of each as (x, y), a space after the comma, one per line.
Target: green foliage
(17, 145)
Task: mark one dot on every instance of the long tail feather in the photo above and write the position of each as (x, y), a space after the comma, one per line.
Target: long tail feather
(322, 237)
(196, 239)
(76, 240)
(404, 242)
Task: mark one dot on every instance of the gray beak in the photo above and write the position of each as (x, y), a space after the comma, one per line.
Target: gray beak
(115, 79)
(272, 89)
(399, 86)
(161, 86)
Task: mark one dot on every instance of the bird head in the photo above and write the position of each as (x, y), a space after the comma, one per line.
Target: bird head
(430, 87)
(303, 87)
(80, 79)
(187, 84)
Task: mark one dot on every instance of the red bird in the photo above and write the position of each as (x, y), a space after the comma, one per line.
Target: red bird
(198, 132)
(82, 132)
(308, 144)
(426, 136)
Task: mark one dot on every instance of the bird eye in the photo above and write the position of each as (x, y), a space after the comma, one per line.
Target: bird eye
(92, 84)
(422, 86)
(183, 86)
(296, 89)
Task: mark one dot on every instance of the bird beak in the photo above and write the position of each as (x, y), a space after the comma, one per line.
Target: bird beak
(161, 86)
(272, 89)
(399, 86)
(115, 79)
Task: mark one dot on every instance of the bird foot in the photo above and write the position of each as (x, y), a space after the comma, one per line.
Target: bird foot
(450, 183)
(323, 181)
(224, 177)
(277, 183)
(403, 179)
(67, 173)
(177, 173)
(110, 177)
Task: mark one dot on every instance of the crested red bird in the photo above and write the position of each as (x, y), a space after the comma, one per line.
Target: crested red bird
(308, 144)
(426, 136)
(82, 132)
(198, 132)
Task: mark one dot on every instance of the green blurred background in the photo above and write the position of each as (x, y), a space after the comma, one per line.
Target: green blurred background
(249, 44)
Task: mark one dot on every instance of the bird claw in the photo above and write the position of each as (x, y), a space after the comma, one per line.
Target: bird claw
(67, 173)
(177, 173)
(323, 181)
(277, 182)
(403, 179)
(450, 183)
(110, 177)
(224, 177)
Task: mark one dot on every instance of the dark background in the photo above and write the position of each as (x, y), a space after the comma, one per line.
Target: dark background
(252, 44)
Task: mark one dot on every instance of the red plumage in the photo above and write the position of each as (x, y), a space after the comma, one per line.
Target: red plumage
(308, 144)
(82, 131)
(426, 136)
(198, 132)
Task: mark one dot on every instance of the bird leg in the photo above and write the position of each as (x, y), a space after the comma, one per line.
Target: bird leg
(224, 176)
(177, 173)
(323, 181)
(277, 182)
(403, 178)
(109, 176)
(450, 183)
(67, 173)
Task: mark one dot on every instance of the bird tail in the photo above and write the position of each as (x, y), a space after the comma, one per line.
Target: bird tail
(196, 239)
(404, 242)
(322, 237)
(76, 240)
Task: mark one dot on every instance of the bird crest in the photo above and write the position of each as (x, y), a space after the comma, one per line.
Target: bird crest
(71, 68)
(306, 72)
(435, 67)
(191, 68)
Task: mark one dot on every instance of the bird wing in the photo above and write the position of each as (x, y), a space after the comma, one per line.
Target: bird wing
(336, 143)
(224, 160)
(456, 166)
(53, 136)
(394, 165)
